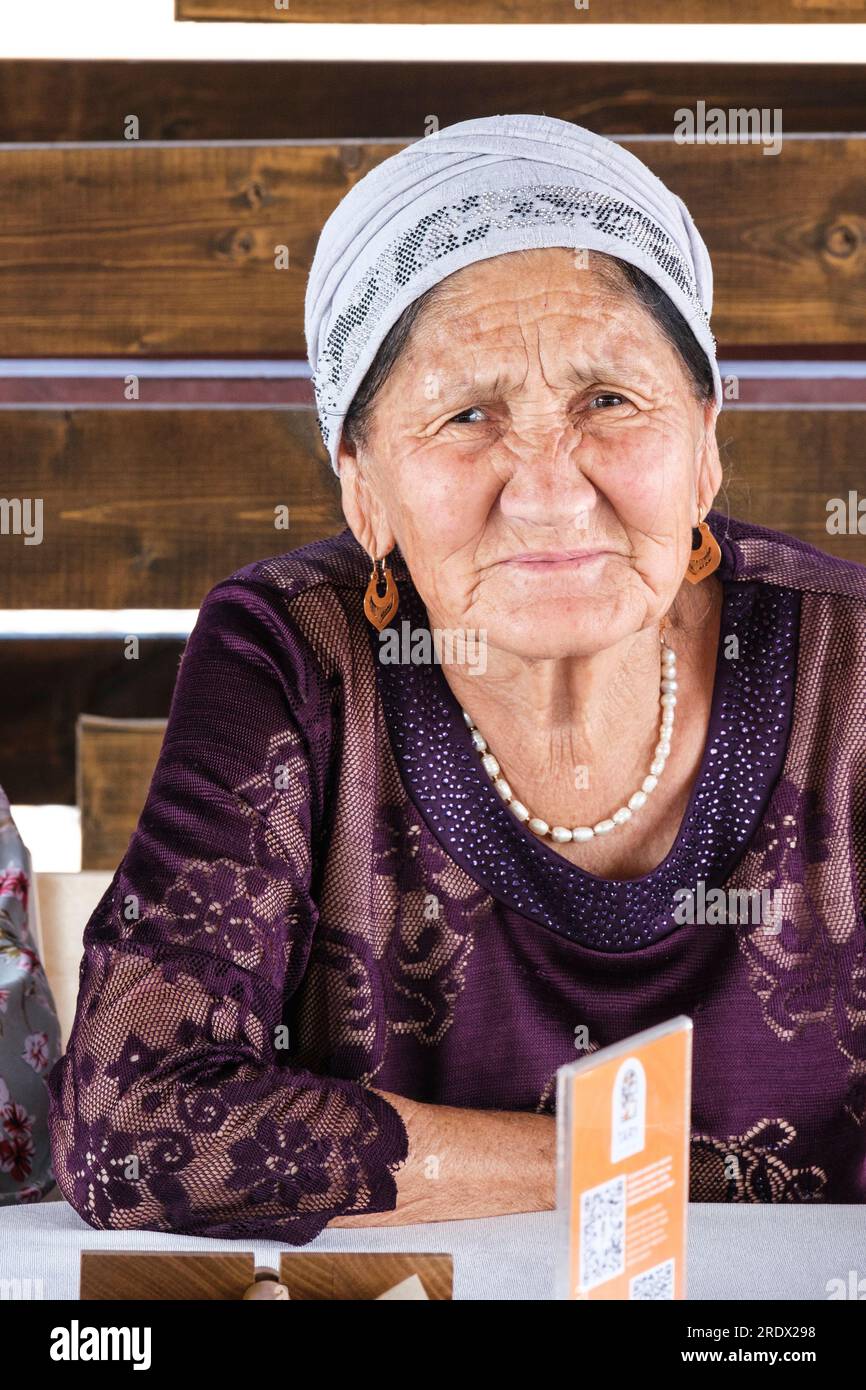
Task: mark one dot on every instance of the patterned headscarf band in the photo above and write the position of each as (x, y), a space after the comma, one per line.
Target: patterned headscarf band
(476, 190)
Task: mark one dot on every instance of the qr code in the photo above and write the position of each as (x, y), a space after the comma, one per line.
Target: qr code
(654, 1283)
(602, 1233)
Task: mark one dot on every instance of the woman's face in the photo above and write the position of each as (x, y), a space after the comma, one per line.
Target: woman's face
(536, 411)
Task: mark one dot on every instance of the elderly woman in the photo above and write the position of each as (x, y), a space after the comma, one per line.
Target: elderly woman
(497, 775)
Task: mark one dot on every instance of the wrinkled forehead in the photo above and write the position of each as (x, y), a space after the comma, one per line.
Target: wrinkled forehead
(540, 303)
(527, 274)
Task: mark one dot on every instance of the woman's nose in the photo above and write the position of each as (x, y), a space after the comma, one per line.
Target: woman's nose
(546, 480)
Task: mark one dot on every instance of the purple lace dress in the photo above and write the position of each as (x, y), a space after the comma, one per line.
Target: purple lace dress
(325, 893)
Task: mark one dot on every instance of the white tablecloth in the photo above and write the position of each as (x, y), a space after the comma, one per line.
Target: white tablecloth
(739, 1252)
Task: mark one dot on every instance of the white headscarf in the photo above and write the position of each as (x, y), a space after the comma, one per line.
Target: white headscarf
(476, 190)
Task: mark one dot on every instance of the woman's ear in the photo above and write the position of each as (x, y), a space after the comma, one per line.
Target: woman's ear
(708, 464)
(361, 507)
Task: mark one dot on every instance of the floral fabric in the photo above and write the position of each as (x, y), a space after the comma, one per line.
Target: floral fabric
(29, 1031)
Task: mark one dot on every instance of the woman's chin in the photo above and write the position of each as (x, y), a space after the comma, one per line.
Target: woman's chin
(562, 612)
(557, 631)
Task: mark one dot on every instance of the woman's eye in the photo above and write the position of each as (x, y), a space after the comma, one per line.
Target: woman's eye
(607, 396)
(464, 418)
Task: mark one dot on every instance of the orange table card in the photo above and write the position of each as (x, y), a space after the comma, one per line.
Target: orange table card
(623, 1126)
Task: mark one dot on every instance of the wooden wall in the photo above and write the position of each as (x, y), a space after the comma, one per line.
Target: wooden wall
(89, 101)
(164, 247)
(169, 250)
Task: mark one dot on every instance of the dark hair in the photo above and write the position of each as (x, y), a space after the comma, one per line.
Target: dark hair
(649, 294)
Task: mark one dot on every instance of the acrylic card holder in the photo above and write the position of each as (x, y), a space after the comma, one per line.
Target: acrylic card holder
(623, 1130)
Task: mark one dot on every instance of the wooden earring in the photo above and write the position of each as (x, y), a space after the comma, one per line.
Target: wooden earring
(706, 553)
(381, 609)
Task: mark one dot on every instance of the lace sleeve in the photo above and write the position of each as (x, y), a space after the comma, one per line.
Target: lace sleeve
(177, 1105)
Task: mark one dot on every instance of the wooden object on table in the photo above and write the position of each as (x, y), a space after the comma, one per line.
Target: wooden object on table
(266, 1288)
(408, 1290)
(314, 1275)
(223, 1275)
(172, 1274)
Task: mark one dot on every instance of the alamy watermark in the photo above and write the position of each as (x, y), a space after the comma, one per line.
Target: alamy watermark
(77, 1343)
(423, 646)
(846, 517)
(21, 1289)
(22, 516)
(732, 906)
(739, 125)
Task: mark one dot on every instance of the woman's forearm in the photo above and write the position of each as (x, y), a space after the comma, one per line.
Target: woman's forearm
(465, 1163)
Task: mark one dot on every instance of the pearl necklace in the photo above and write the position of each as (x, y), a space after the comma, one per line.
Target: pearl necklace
(560, 833)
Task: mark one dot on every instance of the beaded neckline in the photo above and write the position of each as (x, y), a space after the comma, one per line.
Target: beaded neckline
(742, 758)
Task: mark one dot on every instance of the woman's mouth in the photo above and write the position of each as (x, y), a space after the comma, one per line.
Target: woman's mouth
(551, 559)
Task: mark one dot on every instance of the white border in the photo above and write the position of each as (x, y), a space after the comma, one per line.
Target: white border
(148, 30)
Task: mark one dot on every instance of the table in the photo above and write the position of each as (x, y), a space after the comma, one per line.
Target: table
(750, 1251)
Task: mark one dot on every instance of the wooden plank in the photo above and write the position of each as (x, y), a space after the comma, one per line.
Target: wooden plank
(340, 1275)
(215, 1275)
(116, 759)
(525, 11)
(170, 250)
(783, 467)
(149, 508)
(164, 251)
(53, 100)
(226, 1275)
(46, 683)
